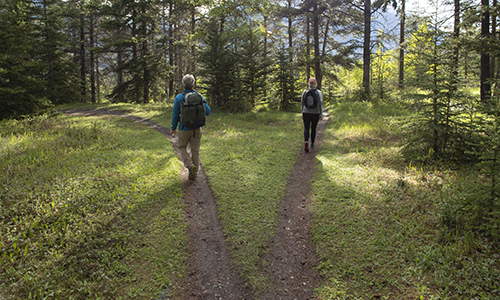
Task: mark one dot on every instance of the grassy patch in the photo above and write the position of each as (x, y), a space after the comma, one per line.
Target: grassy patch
(378, 223)
(90, 209)
(123, 233)
(248, 159)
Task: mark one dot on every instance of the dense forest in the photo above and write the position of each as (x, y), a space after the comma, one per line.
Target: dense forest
(243, 52)
(246, 54)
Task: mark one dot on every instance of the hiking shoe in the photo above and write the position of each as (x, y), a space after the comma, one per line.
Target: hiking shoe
(312, 146)
(306, 147)
(192, 172)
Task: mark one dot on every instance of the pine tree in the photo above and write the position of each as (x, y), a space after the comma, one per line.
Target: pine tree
(21, 86)
(219, 66)
(487, 202)
(254, 66)
(58, 69)
(439, 131)
(286, 92)
(141, 65)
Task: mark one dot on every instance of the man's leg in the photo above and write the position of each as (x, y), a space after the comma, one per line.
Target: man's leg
(183, 138)
(195, 143)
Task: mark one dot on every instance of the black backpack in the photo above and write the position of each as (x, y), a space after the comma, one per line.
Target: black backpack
(192, 110)
(310, 98)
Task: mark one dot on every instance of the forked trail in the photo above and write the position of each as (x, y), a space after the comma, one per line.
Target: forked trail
(211, 274)
(291, 264)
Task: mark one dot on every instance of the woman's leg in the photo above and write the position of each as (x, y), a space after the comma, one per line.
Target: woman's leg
(307, 125)
(314, 121)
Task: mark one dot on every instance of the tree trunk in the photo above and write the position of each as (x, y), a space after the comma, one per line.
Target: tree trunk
(366, 48)
(265, 53)
(119, 63)
(92, 61)
(145, 92)
(485, 57)
(317, 57)
(308, 48)
(82, 54)
(435, 107)
(456, 50)
(192, 61)
(401, 45)
(135, 56)
(493, 34)
(97, 77)
(290, 32)
(171, 90)
(325, 36)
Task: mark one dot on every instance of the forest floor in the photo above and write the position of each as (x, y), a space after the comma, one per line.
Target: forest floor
(292, 257)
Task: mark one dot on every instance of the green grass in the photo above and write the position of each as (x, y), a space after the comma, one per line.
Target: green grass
(103, 207)
(248, 159)
(378, 222)
(91, 209)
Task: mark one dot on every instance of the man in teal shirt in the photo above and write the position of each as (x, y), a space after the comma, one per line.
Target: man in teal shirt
(186, 136)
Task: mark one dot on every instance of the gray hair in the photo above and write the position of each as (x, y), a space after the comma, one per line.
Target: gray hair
(188, 81)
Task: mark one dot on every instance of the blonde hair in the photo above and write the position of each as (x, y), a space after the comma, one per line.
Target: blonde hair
(312, 82)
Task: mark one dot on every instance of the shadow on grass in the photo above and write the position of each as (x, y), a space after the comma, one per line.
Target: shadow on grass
(377, 221)
(95, 221)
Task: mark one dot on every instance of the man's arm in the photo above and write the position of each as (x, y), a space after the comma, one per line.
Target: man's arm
(176, 113)
(207, 108)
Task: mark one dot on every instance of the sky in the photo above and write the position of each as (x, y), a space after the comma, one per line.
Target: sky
(389, 21)
(426, 8)
(417, 5)
(429, 7)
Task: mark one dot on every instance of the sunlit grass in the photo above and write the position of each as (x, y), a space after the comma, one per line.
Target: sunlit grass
(378, 220)
(91, 207)
(87, 203)
(248, 159)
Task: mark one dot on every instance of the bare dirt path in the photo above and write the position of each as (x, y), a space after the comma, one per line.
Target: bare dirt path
(211, 275)
(291, 264)
(292, 260)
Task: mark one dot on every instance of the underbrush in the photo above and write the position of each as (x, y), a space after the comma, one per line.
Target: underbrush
(387, 229)
(91, 208)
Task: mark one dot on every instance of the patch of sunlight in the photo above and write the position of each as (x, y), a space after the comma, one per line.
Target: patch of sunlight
(346, 170)
(226, 133)
(357, 129)
(19, 142)
(335, 289)
(158, 178)
(328, 164)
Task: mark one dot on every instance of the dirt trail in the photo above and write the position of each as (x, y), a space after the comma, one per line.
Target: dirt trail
(291, 264)
(211, 275)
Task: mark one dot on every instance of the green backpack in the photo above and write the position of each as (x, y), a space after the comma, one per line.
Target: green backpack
(192, 110)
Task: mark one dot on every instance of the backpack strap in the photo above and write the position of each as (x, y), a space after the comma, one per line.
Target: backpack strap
(184, 94)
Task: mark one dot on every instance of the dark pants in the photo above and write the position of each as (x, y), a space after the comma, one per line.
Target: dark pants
(310, 122)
